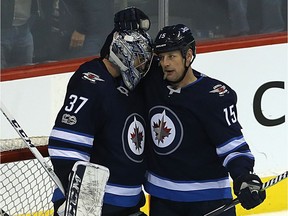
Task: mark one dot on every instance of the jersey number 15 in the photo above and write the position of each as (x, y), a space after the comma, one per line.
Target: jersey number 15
(230, 115)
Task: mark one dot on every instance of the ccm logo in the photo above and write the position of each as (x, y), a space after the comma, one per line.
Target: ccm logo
(21, 132)
(257, 109)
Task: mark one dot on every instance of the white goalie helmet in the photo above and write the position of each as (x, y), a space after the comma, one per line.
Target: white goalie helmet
(132, 52)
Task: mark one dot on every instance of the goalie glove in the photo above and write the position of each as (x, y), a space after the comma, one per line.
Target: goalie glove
(131, 18)
(247, 189)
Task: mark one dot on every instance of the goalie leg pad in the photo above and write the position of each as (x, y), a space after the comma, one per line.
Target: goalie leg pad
(86, 189)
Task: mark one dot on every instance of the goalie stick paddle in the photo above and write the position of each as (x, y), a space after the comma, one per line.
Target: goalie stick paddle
(86, 189)
(234, 202)
(32, 147)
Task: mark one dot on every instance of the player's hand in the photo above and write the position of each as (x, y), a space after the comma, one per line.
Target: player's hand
(247, 189)
(131, 18)
(77, 40)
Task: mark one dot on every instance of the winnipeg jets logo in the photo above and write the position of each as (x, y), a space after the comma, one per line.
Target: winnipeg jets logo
(137, 136)
(92, 77)
(166, 130)
(133, 137)
(160, 129)
(220, 89)
(184, 29)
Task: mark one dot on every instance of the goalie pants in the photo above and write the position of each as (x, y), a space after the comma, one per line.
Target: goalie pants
(171, 208)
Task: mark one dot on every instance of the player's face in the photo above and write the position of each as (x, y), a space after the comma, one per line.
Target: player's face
(139, 63)
(172, 64)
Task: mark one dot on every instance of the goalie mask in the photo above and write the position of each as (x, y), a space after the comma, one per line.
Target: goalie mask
(132, 52)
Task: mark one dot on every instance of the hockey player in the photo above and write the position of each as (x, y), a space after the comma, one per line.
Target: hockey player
(101, 121)
(194, 137)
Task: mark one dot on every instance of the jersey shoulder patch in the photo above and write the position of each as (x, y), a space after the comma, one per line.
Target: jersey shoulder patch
(216, 93)
(89, 75)
(219, 89)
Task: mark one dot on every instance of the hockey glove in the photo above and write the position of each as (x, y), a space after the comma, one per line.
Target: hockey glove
(247, 189)
(131, 18)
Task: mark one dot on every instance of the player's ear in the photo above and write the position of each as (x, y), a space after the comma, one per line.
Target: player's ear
(189, 56)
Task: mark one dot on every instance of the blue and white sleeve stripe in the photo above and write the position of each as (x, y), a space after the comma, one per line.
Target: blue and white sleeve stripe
(72, 137)
(69, 145)
(234, 148)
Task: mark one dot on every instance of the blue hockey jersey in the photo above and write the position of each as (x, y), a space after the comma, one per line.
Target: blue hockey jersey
(194, 139)
(101, 122)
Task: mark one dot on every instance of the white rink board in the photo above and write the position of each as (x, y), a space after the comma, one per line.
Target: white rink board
(34, 102)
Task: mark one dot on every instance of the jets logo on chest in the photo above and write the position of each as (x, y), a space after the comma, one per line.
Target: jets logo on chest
(133, 137)
(166, 130)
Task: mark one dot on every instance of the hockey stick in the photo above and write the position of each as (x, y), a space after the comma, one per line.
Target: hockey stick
(234, 202)
(3, 213)
(31, 147)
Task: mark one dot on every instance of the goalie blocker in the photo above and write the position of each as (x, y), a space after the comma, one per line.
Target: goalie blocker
(86, 189)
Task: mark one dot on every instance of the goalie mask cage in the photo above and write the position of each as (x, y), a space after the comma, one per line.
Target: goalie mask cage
(26, 188)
